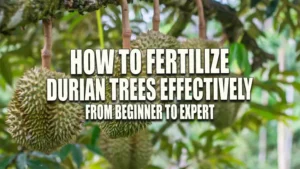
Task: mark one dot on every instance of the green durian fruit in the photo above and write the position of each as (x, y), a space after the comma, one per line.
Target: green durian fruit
(119, 128)
(200, 44)
(154, 40)
(149, 40)
(132, 152)
(224, 112)
(37, 124)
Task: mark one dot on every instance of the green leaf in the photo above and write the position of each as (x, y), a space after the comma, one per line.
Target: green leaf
(36, 164)
(207, 133)
(270, 86)
(289, 73)
(170, 150)
(284, 106)
(153, 167)
(271, 8)
(263, 113)
(298, 58)
(179, 148)
(181, 129)
(209, 144)
(268, 111)
(94, 149)
(233, 52)
(63, 153)
(246, 67)
(2, 82)
(77, 155)
(95, 135)
(296, 85)
(21, 161)
(254, 31)
(293, 118)
(251, 121)
(233, 160)
(274, 70)
(5, 69)
(254, 3)
(228, 149)
(6, 161)
(239, 53)
(197, 145)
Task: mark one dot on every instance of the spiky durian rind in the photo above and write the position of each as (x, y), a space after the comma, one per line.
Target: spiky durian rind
(148, 40)
(200, 44)
(117, 128)
(224, 112)
(120, 128)
(132, 152)
(154, 40)
(37, 124)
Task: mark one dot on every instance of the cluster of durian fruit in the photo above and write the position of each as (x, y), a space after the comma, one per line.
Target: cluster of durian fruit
(46, 126)
(126, 145)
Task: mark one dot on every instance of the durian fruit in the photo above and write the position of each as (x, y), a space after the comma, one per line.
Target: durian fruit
(154, 40)
(132, 152)
(115, 129)
(148, 40)
(200, 44)
(224, 112)
(37, 124)
(120, 128)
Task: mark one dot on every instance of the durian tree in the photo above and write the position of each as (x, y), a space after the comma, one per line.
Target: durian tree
(238, 25)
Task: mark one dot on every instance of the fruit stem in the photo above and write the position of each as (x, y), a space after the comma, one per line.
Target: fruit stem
(47, 50)
(202, 23)
(156, 15)
(126, 31)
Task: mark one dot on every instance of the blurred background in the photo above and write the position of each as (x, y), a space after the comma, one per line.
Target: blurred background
(263, 37)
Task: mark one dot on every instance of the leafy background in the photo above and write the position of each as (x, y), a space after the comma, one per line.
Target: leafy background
(273, 24)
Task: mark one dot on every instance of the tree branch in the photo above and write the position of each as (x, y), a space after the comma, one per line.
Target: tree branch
(184, 19)
(156, 15)
(125, 25)
(232, 27)
(16, 13)
(47, 50)
(202, 22)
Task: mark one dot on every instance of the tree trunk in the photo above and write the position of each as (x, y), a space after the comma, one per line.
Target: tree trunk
(262, 149)
(284, 138)
(262, 155)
